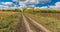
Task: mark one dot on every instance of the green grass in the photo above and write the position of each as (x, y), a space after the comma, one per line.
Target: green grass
(50, 22)
(8, 21)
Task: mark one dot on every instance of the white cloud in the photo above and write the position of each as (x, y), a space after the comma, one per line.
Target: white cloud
(57, 6)
(25, 3)
(44, 7)
(33, 1)
(57, 3)
(3, 7)
(15, 0)
(30, 3)
(44, 1)
(7, 3)
(7, 7)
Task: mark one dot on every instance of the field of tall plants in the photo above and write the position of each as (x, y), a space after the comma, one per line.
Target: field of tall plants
(8, 21)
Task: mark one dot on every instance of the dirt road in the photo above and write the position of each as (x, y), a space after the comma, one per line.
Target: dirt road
(24, 25)
(27, 25)
(37, 25)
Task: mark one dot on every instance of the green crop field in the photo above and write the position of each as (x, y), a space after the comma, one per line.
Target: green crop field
(49, 20)
(8, 21)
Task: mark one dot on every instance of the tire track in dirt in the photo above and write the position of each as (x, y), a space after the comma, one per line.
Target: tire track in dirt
(37, 25)
(21, 26)
(27, 25)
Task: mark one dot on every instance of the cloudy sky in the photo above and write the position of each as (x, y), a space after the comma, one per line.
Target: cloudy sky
(53, 4)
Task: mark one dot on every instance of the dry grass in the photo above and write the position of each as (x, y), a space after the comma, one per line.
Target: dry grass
(8, 21)
(55, 15)
(50, 20)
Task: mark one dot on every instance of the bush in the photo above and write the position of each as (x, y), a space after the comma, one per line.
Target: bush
(28, 10)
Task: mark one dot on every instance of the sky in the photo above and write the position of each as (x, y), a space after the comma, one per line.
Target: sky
(12, 4)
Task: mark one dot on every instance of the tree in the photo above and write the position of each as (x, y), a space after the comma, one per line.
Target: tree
(28, 10)
(36, 10)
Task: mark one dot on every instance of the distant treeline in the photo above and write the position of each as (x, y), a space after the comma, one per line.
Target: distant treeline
(11, 10)
(32, 10)
(41, 10)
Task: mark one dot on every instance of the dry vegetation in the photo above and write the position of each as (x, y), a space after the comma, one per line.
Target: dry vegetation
(49, 20)
(55, 15)
(8, 21)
